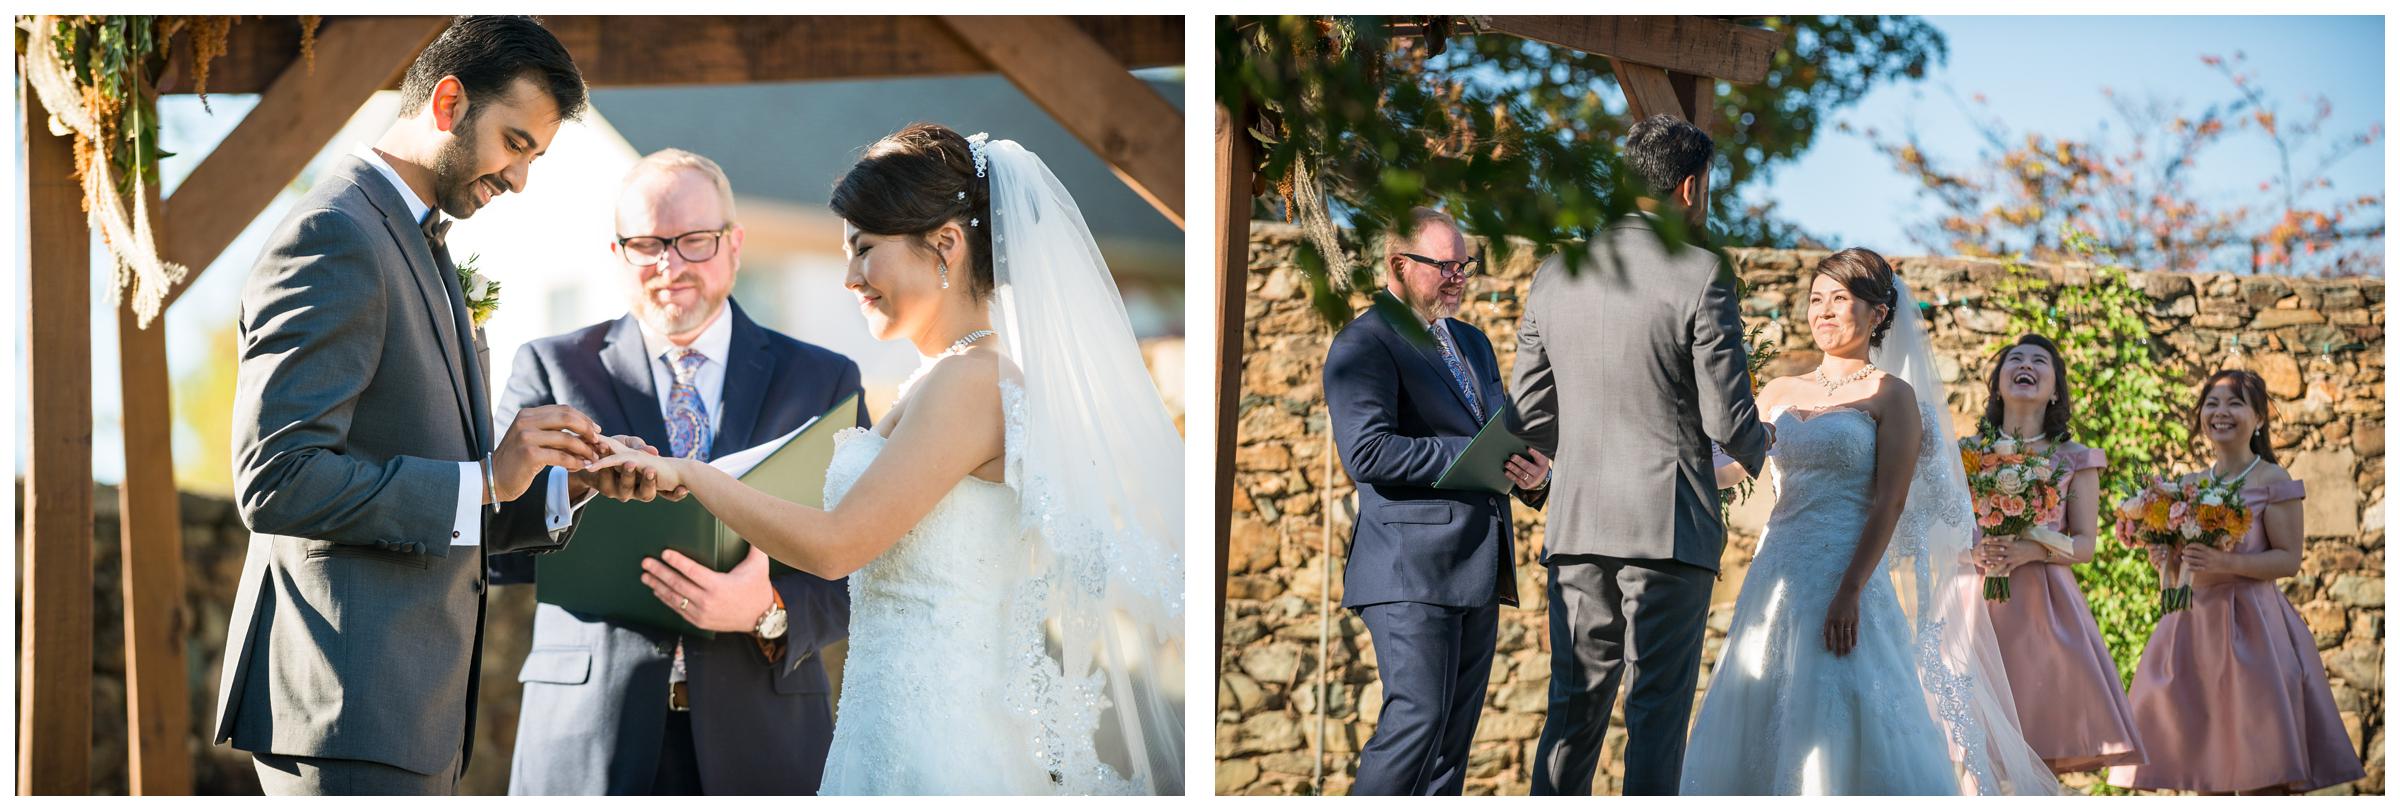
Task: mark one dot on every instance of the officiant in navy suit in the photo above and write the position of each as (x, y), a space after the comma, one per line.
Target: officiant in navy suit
(1428, 568)
(614, 708)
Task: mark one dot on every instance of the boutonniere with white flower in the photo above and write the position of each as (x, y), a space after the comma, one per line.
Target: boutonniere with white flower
(482, 294)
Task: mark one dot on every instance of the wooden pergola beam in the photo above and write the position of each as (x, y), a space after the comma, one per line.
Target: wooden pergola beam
(299, 112)
(1233, 178)
(54, 687)
(1137, 132)
(637, 51)
(1696, 45)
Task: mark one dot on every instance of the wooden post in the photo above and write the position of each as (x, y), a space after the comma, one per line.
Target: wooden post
(157, 688)
(54, 691)
(1233, 283)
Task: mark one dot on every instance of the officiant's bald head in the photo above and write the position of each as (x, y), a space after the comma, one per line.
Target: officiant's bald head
(678, 241)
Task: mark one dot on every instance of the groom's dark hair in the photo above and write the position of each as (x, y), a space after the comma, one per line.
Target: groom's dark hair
(487, 53)
(1662, 150)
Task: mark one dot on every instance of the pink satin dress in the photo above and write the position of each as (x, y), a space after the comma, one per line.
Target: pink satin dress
(2070, 702)
(2230, 694)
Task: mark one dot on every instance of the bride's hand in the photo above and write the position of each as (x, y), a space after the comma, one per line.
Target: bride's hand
(1841, 622)
(663, 472)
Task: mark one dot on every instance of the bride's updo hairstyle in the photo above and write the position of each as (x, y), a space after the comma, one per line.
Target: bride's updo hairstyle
(1869, 279)
(913, 182)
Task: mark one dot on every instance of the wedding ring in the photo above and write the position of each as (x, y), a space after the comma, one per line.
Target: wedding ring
(685, 605)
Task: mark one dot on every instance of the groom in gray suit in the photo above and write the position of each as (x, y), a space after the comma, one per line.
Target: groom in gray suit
(366, 464)
(1627, 371)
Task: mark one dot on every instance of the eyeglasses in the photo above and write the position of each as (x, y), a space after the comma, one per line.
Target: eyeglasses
(1450, 270)
(695, 246)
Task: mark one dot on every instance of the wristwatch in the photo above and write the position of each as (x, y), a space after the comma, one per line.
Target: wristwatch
(772, 624)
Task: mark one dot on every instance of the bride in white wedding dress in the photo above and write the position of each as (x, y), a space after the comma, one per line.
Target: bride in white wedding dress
(1858, 660)
(1012, 528)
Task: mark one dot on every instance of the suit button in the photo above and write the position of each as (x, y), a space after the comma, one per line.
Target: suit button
(454, 534)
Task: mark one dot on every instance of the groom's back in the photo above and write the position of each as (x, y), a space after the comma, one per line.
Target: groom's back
(1606, 375)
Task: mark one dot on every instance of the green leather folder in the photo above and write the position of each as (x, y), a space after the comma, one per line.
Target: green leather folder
(599, 572)
(1484, 464)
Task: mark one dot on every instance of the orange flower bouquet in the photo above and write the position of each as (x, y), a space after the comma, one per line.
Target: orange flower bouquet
(2016, 489)
(2174, 515)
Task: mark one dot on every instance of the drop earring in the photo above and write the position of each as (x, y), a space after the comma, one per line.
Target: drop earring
(944, 267)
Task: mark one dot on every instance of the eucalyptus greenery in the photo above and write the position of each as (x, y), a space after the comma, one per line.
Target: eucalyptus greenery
(116, 60)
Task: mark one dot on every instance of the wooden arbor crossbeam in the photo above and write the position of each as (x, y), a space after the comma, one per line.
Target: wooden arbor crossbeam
(1666, 64)
(1070, 75)
(304, 104)
(635, 51)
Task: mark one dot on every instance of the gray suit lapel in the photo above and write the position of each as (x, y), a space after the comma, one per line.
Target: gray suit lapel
(426, 272)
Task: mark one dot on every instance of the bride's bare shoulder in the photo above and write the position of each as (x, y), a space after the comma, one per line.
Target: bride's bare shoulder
(1895, 391)
(965, 374)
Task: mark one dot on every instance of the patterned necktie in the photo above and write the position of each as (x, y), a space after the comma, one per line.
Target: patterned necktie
(1458, 370)
(687, 417)
(688, 437)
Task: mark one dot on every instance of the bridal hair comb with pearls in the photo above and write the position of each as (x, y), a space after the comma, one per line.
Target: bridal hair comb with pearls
(979, 146)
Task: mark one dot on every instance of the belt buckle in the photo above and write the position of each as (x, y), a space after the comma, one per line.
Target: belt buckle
(679, 697)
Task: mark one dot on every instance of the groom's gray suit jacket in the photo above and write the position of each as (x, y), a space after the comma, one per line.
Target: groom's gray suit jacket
(1625, 373)
(357, 630)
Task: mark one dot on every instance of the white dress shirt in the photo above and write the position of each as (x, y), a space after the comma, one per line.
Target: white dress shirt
(467, 525)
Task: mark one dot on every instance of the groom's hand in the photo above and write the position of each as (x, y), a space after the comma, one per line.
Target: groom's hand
(539, 438)
(724, 602)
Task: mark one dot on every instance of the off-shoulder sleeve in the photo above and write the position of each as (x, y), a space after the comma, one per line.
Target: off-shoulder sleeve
(2082, 459)
(2269, 493)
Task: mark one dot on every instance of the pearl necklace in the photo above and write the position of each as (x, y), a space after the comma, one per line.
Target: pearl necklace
(1832, 386)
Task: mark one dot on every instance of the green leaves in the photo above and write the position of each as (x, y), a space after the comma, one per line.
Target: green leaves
(1518, 139)
(114, 58)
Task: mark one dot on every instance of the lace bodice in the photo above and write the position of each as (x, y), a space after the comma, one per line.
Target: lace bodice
(1823, 468)
(1782, 714)
(923, 702)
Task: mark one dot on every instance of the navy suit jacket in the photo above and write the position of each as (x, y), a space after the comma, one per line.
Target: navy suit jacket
(1398, 421)
(595, 698)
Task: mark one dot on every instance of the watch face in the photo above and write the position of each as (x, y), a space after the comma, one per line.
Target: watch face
(772, 625)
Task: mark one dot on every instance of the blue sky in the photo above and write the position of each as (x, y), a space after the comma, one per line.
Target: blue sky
(2045, 74)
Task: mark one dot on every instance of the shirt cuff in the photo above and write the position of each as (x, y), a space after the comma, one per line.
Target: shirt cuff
(557, 513)
(467, 527)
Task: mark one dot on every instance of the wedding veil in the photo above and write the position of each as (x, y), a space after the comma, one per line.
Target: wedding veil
(1958, 660)
(1099, 469)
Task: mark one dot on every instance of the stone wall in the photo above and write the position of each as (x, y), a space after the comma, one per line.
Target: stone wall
(1292, 503)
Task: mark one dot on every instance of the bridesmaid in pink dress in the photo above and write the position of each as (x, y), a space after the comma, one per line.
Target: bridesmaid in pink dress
(2230, 696)
(2069, 699)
